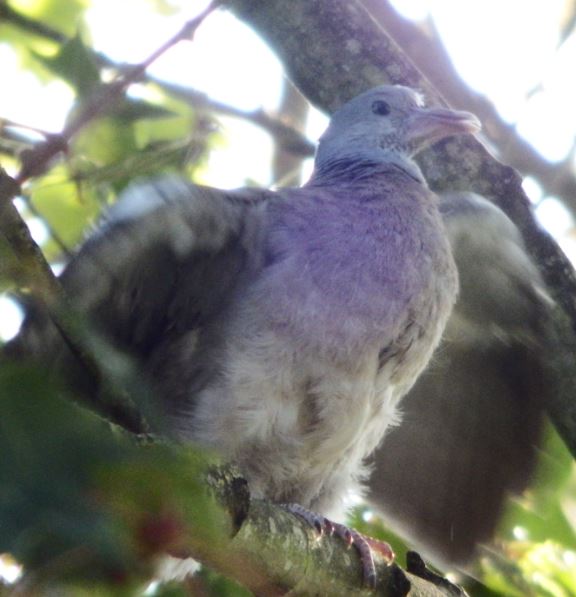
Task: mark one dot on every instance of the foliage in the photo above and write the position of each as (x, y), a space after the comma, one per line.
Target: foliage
(82, 504)
(138, 137)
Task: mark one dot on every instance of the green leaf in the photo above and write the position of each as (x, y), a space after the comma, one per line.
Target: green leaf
(131, 110)
(84, 504)
(216, 585)
(158, 160)
(75, 63)
(105, 141)
(50, 451)
(63, 16)
(65, 208)
(539, 513)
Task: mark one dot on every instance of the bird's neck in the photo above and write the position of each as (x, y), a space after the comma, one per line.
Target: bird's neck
(349, 170)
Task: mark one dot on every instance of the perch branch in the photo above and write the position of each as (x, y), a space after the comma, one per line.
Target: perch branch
(298, 561)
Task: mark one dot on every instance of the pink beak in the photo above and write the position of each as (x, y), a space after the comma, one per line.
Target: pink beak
(427, 125)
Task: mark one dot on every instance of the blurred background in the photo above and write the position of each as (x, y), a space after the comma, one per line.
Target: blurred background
(220, 109)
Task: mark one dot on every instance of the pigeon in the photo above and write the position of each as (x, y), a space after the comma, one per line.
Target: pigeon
(473, 421)
(280, 328)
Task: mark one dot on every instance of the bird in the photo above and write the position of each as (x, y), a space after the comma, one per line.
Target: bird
(481, 402)
(280, 328)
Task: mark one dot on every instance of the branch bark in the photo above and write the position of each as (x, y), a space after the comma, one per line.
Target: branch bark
(425, 48)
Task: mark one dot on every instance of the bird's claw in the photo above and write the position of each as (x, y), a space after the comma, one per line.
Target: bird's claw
(364, 545)
(322, 525)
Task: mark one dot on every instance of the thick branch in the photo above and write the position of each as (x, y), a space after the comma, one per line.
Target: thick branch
(353, 53)
(426, 50)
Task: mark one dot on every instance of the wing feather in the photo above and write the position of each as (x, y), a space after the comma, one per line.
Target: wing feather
(473, 419)
(165, 263)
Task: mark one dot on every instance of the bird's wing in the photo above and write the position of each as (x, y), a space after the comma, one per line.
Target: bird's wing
(472, 421)
(165, 262)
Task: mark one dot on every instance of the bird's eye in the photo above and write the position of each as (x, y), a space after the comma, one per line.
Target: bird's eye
(381, 108)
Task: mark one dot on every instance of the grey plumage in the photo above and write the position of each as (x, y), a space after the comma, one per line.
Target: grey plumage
(472, 421)
(283, 328)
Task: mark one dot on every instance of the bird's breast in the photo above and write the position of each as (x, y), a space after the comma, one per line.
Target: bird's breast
(359, 275)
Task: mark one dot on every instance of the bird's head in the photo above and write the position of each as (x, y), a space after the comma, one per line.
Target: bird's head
(388, 124)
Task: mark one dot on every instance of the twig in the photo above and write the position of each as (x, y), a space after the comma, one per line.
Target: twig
(286, 136)
(36, 161)
(6, 122)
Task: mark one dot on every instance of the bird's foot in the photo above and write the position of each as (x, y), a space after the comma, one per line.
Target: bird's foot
(364, 545)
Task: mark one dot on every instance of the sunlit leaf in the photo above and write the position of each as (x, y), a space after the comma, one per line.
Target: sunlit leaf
(106, 140)
(63, 16)
(66, 208)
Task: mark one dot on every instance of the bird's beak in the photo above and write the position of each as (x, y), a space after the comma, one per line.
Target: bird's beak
(427, 125)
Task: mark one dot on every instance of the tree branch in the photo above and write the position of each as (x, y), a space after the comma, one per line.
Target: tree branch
(355, 53)
(298, 561)
(287, 137)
